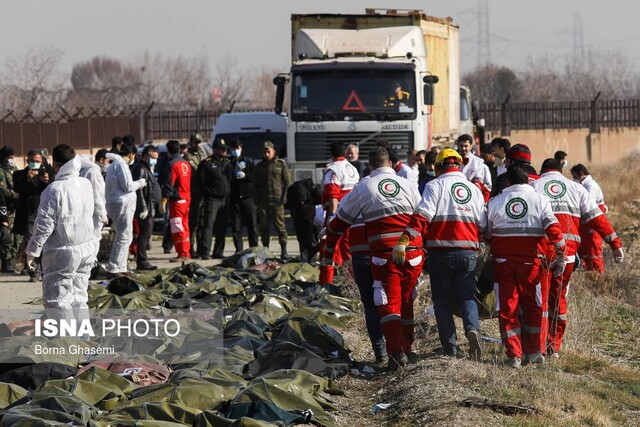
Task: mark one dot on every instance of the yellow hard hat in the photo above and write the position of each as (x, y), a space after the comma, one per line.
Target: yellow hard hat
(448, 153)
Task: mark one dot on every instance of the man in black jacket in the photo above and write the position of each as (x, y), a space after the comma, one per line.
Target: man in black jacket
(243, 208)
(147, 198)
(29, 183)
(213, 178)
(303, 194)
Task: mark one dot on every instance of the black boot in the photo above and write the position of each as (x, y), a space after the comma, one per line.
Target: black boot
(283, 253)
(7, 266)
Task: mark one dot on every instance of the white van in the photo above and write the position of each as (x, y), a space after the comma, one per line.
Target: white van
(253, 129)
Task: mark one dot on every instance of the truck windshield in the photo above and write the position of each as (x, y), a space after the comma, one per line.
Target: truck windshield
(359, 94)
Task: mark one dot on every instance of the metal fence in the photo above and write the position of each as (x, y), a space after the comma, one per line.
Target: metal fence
(80, 129)
(562, 115)
(180, 124)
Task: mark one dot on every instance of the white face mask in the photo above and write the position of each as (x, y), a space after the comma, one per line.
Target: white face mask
(236, 153)
(11, 162)
(153, 162)
(431, 173)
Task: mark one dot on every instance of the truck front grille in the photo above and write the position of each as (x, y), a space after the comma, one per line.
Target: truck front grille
(314, 146)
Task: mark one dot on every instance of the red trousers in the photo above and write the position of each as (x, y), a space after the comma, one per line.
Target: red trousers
(398, 281)
(179, 223)
(520, 289)
(340, 255)
(558, 289)
(591, 250)
(133, 247)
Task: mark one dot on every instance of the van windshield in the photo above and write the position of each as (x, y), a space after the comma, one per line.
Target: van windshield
(252, 143)
(360, 94)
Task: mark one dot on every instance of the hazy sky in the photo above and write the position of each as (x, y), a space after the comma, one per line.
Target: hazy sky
(257, 32)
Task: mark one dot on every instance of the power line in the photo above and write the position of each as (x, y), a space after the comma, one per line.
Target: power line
(484, 46)
(578, 41)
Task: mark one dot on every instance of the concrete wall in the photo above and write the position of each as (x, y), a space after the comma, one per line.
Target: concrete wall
(601, 148)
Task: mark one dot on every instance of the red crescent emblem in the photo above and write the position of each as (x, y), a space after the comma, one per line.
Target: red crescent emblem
(552, 188)
(458, 193)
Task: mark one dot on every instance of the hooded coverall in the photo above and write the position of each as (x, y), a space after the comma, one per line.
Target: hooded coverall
(93, 173)
(121, 205)
(63, 234)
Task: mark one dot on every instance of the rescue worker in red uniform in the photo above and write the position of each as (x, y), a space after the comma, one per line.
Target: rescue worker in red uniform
(517, 221)
(386, 202)
(339, 179)
(360, 261)
(571, 204)
(178, 192)
(590, 250)
(450, 217)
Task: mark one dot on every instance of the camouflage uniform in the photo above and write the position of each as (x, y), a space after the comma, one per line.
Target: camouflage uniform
(9, 244)
(194, 160)
(272, 181)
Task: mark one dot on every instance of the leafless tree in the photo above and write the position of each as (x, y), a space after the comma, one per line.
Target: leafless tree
(263, 92)
(33, 82)
(492, 84)
(229, 85)
(104, 82)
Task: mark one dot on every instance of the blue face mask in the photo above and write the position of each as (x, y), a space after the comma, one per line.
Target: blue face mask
(34, 165)
(431, 173)
(153, 162)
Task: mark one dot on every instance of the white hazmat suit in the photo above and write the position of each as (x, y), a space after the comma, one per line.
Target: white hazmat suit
(63, 234)
(121, 205)
(91, 171)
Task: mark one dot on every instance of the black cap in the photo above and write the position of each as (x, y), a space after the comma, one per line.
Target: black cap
(6, 152)
(219, 144)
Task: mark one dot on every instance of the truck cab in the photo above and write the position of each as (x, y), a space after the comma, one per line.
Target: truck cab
(357, 79)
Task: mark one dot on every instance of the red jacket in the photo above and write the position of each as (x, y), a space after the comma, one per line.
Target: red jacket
(339, 179)
(571, 204)
(386, 202)
(180, 178)
(517, 221)
(451, 213)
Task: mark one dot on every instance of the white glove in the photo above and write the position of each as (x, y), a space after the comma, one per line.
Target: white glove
(379, 295)
(240, 175)
(143, 182)
(31, 263)
(144, 215)
(559, 264)
(618, 255)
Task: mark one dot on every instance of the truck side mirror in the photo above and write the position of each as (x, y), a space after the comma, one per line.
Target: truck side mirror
(280, 82)
(428, 89)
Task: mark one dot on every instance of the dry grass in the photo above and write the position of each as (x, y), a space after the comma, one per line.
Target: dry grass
(595, 383)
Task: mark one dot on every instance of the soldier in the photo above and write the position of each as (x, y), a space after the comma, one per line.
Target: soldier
(10, 244)
(272, 181)
(194, 156)
(213, 179)
(243, 208)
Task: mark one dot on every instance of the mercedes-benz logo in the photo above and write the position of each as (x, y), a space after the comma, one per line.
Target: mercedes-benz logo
(353, 126)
